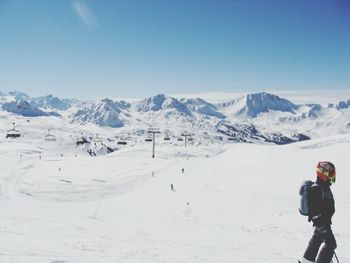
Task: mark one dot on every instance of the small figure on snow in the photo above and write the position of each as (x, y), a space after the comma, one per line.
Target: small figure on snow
(183, 170)
(321, 210)
(59, 169)
(172, 187)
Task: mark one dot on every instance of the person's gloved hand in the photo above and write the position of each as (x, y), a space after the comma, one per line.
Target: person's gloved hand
(317, 220)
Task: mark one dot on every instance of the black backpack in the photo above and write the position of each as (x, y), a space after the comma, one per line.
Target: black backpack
(304, 193)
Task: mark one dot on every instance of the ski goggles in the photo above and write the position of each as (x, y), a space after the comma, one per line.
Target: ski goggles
(327, 175)
(331, 179)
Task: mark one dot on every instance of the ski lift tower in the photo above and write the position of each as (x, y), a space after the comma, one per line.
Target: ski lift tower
(153, 131)
(185, 134)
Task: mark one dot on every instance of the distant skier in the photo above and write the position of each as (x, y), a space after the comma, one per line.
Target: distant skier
(321, 210)
(172, 187)
(182, 170)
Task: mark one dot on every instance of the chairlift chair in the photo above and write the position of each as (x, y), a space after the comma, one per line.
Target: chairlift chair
(50, 137)
(82, 140)
(98, 139)
(166, 136)
(13, 133)
(149, 138)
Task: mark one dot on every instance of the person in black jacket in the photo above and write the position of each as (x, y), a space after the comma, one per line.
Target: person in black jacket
(322, 208)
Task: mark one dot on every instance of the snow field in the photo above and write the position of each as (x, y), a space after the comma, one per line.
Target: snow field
(238, 205)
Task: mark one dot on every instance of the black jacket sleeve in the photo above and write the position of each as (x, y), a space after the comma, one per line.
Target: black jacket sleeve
(315, 206)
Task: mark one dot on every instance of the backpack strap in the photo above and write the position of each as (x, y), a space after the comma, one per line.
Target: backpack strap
(315, 184)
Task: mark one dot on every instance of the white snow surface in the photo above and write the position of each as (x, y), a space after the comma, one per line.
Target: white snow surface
(233, 203)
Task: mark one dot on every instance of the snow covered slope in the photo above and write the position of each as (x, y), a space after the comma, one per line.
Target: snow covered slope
(232, 203)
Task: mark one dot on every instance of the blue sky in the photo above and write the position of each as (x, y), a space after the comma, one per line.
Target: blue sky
(138, 48)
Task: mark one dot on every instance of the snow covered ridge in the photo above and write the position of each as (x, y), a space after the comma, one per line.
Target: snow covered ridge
(343, 105)
(249, 133)
(162, 102)
(252, 105)
(256, 117)
(22, 104)
(51, 103)
(103, 113)
(22, 107)
(203, 107)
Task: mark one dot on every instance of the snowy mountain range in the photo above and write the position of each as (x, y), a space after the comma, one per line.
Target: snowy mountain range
(343, 105)
(251, 105)
(103, 113)
(254, 117)
(164, 103)
(203, 107)
(50, 102)
(24, 108)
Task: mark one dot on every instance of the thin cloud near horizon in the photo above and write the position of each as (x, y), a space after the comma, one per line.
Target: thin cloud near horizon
(85, 14)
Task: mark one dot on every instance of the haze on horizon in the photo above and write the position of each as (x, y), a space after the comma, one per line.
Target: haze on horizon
(87, 49)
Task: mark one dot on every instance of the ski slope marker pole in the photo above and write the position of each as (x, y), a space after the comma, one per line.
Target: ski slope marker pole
(98, 207)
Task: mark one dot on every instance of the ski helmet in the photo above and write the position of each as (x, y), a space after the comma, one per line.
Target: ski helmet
(326, 171)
